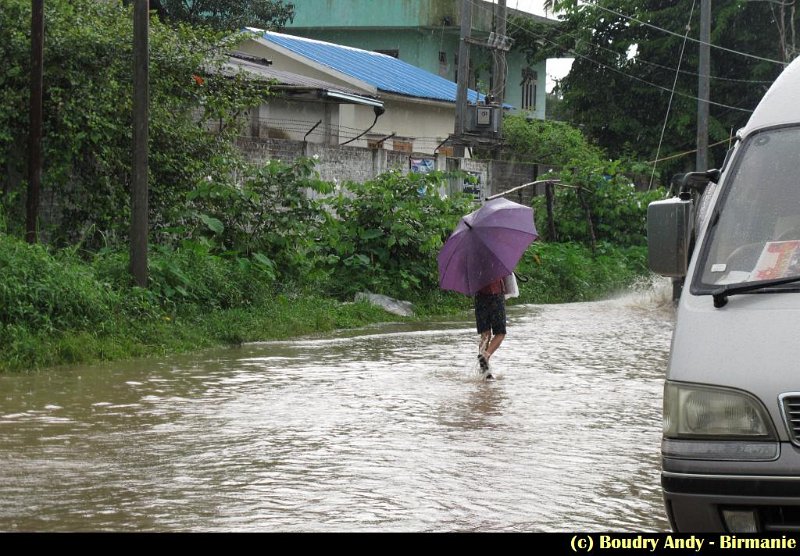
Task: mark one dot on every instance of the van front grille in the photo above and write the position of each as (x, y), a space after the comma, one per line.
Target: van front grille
(790, 404)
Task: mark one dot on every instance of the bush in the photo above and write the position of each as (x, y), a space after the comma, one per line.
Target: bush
(547, 142)
(41, 292)
(268, 218)
(192, 275)
(87, 124)
(618, 211)
(588, 181)
(386, 233)
(566, 272)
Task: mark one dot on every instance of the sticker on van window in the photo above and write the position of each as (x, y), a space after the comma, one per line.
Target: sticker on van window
(719, 267)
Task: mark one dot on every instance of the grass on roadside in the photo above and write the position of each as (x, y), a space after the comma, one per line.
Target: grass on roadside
(57, 309)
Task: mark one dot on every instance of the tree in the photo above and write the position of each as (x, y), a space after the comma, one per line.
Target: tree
(627, 55)
(226, 15)
(593, 189)
(87, 123)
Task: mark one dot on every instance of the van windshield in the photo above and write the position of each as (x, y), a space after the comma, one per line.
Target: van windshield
(755, 228)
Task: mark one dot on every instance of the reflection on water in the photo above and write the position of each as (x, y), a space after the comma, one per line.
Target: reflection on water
(387, 429)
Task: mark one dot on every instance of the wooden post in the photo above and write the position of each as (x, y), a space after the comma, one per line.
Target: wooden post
(499, 69)
(703, 87)
(36, 117)
(549, 192)
(463, 76)
(139, 186)
(588, 212)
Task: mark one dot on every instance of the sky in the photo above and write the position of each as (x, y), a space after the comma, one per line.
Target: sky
(556, 68)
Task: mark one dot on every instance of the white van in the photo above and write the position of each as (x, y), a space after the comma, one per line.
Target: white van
(731, 443)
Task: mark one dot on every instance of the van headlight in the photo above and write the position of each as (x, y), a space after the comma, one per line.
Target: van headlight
(732, 425)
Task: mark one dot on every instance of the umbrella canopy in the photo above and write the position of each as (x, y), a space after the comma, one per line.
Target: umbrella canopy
(486, 245)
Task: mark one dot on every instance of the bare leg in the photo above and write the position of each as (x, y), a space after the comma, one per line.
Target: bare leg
(486, 338)
(483, 345)
(494, 344)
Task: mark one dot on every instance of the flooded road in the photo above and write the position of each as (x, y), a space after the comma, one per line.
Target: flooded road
(382, 429)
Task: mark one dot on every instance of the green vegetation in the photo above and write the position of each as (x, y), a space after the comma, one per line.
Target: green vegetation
(55, 308)
(594, 189)
(630, 57)
(226, 15)
(87, 108)
(237, 252)
(566, 272)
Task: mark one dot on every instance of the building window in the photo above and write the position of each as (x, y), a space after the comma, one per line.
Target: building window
(529, 82)
(443, 64)
(403, 144)
(375, 141)
(392, 53)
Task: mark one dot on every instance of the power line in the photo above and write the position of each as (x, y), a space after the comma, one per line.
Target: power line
(691, 39)
(686, 95)
(660, 66)
(578, 55)
(669, 106)
(695, 74)
(678, 155)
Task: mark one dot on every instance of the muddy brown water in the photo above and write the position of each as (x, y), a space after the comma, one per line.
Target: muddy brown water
(381, 429)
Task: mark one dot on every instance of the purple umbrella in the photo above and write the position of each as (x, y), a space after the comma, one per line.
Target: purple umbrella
(487, 244)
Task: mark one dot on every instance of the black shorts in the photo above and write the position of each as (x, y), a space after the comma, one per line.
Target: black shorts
(490, 313)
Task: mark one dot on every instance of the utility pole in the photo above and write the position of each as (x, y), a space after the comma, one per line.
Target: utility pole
(463, 74)
(703, 87)
(35, 133)
(139, 186)
(499, 67)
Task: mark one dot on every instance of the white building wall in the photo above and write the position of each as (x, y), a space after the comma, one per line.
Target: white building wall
(425, 124)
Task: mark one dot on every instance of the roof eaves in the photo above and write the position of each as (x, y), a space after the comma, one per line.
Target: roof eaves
(369, 87)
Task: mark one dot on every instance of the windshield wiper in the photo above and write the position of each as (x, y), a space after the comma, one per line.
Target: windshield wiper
(721, 294)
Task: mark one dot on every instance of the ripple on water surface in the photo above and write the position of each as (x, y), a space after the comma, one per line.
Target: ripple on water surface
(387, 429)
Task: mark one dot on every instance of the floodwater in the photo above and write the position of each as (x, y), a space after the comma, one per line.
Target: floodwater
(380, 429)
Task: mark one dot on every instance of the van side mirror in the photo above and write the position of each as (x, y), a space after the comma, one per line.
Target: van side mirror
(669, 232)
(696, 181)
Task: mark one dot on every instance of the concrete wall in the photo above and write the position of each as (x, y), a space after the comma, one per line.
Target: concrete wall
(334, 163)
(282, 118)
(405, 126)
(260, 150)
(339, 164)
(507, 175)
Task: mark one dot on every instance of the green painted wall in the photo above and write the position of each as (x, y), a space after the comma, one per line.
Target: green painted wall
(379, 13)
(418, 30)
(418, 47)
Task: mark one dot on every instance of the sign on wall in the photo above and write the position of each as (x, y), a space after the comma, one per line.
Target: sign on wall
(422, 165)
(472, 185)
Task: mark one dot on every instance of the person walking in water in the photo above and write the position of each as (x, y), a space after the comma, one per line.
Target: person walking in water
(490, 317)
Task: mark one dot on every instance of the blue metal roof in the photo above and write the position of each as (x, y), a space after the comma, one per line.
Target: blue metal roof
(386, 73)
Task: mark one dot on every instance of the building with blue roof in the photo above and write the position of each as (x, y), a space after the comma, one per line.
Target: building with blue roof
(418, 107)
(386, 73)
(426, 34)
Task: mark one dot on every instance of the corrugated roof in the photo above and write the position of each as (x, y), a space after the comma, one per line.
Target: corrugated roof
(386, 73)
(235, 64)
(293, 83)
